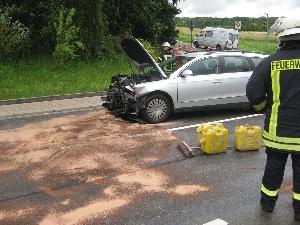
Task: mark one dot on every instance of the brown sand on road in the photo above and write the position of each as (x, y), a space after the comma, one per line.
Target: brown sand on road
(84, 213)
(287, 188)
(189, 189)
(15, 214)
(92, 149)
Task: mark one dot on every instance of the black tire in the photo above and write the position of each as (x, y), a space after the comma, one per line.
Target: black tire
(196, 44)
(218, 47)
(157, 108)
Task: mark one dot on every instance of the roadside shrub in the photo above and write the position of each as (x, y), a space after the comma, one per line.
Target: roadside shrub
(67, 41)
(14, 37)
(108, 47)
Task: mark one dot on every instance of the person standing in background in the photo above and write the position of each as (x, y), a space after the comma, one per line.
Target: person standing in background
(165, 53)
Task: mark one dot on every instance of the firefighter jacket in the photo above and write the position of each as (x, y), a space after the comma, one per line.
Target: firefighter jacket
(275, 87)
(165, 55)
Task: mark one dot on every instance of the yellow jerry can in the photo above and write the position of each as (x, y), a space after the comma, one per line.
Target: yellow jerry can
(213, 138)
(247, 138)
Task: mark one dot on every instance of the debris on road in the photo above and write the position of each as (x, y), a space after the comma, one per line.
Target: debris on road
(68, 157)
(185, 149)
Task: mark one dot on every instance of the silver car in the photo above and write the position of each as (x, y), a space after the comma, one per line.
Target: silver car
(184, 82)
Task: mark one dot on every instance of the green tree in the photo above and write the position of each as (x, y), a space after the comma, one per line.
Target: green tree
(38, 16)
(248, 23)
(92, 23)
(14, 37)
(151, 19)
(98, 22)
(67, 42)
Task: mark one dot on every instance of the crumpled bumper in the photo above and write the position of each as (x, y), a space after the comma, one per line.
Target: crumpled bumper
(120, 102)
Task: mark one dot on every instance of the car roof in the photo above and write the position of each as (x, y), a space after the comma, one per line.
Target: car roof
(226, 53)
(219, 28)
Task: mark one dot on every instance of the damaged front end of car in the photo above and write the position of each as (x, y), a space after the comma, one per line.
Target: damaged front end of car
(122, 99)
(126, 94)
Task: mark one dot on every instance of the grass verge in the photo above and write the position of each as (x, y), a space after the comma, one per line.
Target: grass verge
(257, 46)
(258, 42)
(40, 77)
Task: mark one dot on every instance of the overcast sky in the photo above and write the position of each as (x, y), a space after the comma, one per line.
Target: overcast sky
(231, 8)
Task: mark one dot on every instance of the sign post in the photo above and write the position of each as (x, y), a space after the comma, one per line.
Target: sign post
(192, 26)
(267, 17)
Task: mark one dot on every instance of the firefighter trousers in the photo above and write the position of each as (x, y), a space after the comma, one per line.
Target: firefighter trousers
(273, 176)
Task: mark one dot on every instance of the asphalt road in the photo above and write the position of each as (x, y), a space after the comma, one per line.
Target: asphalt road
(186, 192)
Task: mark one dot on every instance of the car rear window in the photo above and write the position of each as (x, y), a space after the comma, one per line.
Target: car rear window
(236, 64)
(205, 66)
(256, 61)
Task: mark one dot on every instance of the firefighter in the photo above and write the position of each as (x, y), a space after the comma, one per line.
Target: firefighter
(274, 88)
(165, 53)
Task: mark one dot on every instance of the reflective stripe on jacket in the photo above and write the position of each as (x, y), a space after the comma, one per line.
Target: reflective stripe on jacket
(277, 81)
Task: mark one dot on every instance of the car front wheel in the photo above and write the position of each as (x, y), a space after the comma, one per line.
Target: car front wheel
(157, 108)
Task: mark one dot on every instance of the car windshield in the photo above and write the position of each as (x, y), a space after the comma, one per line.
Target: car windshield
(201, 33)
(173, 64)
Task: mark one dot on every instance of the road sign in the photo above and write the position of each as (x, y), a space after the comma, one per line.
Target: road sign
(192, 26)
(238, 25)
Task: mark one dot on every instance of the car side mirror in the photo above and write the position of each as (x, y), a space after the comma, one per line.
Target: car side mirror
(186, 73)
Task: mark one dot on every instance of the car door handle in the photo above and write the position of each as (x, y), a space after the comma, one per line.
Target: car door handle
(217, 82)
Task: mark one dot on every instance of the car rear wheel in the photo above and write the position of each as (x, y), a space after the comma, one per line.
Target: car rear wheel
(196, 44)
(218, 47)
(157, 108)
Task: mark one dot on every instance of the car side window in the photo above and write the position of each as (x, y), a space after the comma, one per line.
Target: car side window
(205, 66)
(256, 61)
(234, 64)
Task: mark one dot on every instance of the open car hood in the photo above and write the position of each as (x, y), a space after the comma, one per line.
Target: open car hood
(137, 53)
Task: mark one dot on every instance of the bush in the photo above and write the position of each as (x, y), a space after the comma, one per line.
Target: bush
(67, 42)
(14, 37)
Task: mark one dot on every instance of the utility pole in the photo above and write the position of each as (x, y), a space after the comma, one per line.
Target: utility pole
(192, 28)
(267, 35)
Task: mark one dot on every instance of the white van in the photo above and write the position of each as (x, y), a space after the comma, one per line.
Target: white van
(217, 37)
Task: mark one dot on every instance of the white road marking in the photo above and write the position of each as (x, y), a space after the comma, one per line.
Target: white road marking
(217, 121)
(216, 222)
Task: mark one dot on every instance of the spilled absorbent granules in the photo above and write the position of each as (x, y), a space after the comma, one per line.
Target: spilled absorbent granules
(96, 142)
(75, 152)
